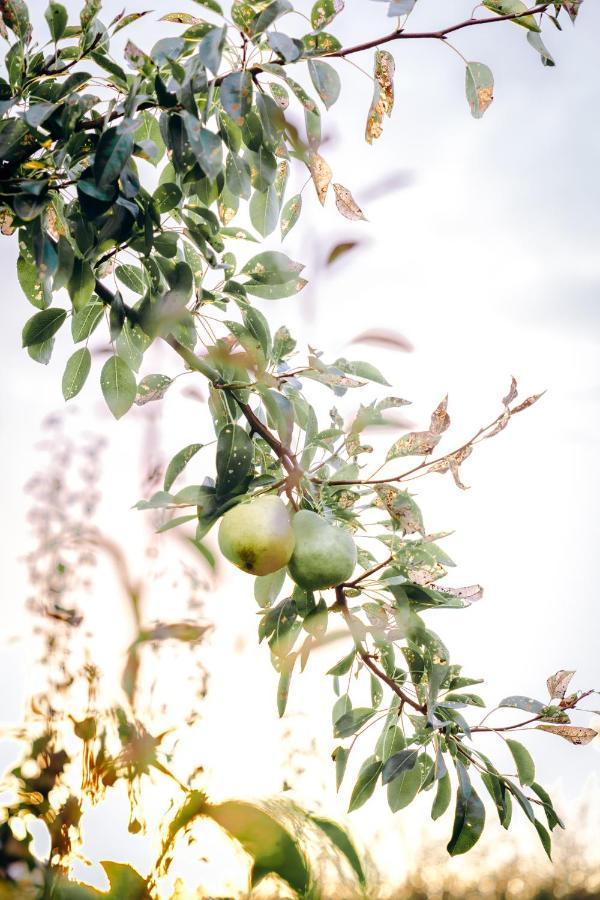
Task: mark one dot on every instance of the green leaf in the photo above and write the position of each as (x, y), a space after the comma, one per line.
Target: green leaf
(210, 4)
(149, 132)
(290, 214)
(81, 284)
(551, 816)
(340, 757)
(42, 326)
(272, 848)
(390, 741)
(320, 44)
(324, 12)
(42, 353)
(325, 80)
(526, 703)
(469, 818)
(118, 386)
(37, 292)
(339, 838)
(234, 460)
(211, 48)
(398, 763)
(236, 95)
(537, 43)
(114, 149)
(365, 783)
(133, 278)
(152, 387)
(76, 372)
(544, 838)
(268, 587)
(85, 320)
(402, 790)
(479, 87)
(524, 762)
(56, 16)
(510, 7)
(443, 796)
(344, 664)
(178, 464)
(264, 211)
(206, 145)
(352, 721)
(283, 686)
(361, 370)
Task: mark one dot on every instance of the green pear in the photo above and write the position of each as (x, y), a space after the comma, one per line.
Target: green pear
(323, 556)
(257, 536)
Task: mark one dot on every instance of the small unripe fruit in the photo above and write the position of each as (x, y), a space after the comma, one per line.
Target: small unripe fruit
(324, 555)
(257, 537)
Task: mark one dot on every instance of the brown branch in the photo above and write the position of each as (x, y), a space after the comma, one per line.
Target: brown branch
(439, 35)
(368, 573)
(367, 659)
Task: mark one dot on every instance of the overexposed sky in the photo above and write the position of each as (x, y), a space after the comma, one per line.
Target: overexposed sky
(486, 260)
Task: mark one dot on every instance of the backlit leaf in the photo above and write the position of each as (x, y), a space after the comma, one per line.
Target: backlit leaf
(346, 204)
(479, 86)
(118, 386)
(383, 96)
(76, 372)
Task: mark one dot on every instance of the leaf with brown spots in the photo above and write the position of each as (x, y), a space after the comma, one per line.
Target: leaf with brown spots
(571, 733)
(512, 392)
(321, 174)
(452, 463)
(440, 420)
(558, 684)
(346, 204)
(383, 94)
(479, 87)
(181, 19)
(416, 443)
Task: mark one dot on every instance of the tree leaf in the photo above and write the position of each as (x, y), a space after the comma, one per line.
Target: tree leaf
(365, 783)
(178, 464)
(236, 95)
(402, 790)
(85, 320)
(272, 848)
(235, 453)
(340, 756)
(76, 371)
(346, 204)
(290, 214)
(352, 721)
(571, 733)
(118, 386)
(443, 797)
(469, 818)
(57, 17)
(321, 175)
(528, 704)
(81, 284)
(326, 81)
(42, 326)
(479, 87)
(523, 761)
(264, 211)
(152, 387)
(340, 838)
(268, 587)
(324, 12)
(114, 149)
(415, 443)
(398, 763)
(511, 7)
(206, 145)
(558, 684)
(383, 94)
(344, 665)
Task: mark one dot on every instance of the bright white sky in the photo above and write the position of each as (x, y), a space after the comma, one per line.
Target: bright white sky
(487, 262)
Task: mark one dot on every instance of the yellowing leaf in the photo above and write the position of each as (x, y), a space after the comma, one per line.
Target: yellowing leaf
(416, 443)
(571, 733)
(479, 87)
(181, 19)
(346, 204)
(383, 95)
(321, 173)
(511, 7)
(440, 420)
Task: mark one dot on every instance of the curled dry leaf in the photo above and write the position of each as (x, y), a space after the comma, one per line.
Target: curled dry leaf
(571, 733)
(340, 250)
(501, 424)
(383, 94)
(321, 174)
(527, 403)
(558, 684)
(416, 443)
(346, 204)
(512, 392)
(390, 340)
(452, 463)
(440, 420)
(470, 594)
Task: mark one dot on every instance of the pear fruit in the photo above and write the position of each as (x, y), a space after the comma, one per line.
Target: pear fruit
(323, 556)
(257, 536)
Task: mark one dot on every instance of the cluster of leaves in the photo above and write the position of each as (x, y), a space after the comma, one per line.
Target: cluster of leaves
(215, 108)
